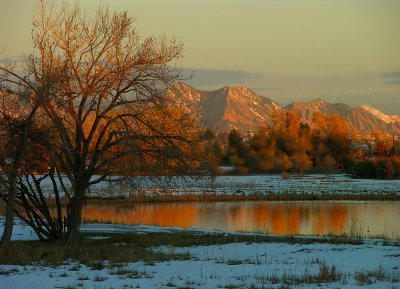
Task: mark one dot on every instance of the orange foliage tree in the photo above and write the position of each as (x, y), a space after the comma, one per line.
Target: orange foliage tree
(333, 132)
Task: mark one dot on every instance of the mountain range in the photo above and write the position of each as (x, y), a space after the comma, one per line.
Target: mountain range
(241, 108)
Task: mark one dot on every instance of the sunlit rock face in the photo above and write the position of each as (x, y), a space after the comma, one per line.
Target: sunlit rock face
(226, 108)
(241, 108)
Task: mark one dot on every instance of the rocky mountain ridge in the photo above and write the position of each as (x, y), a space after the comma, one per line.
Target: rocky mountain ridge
(241, 108)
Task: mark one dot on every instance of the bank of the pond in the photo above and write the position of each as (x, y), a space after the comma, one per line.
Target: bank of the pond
(240, 195)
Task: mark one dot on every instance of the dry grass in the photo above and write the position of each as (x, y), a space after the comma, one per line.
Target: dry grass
(91, 253)
(133, 247)
(364, 278)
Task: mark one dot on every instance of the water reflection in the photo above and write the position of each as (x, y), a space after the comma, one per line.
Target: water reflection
(281, 218)
(165, 215)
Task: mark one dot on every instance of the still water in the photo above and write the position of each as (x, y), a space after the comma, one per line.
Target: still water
(282, 218)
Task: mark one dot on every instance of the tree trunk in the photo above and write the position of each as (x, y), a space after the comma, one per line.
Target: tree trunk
(75, 219)
(9, 223)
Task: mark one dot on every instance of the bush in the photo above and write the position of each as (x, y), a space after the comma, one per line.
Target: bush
(363, 169)
(388, 168)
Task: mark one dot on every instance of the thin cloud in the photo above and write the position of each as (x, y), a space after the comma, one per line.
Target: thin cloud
(394, 82)
(17, 58)
(393, 77)
(213, 77)
(5, 60)
(393, 74)
(265, 88)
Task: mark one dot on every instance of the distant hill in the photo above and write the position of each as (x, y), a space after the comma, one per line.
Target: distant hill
(363, 117)
(241, 108)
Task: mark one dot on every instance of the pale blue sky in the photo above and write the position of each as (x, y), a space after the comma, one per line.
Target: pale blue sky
(344, 50)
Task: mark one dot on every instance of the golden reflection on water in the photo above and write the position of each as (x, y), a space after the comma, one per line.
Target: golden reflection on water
(291, 218)
(167, 215)
(281, 218)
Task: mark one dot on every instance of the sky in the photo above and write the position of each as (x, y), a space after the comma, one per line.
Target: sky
(337, 50)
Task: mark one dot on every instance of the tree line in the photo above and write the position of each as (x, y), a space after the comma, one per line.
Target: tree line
(289, 146)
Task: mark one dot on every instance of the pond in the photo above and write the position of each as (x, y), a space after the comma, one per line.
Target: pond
(365, 218)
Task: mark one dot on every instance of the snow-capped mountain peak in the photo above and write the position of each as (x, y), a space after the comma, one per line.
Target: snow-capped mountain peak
(379, 114)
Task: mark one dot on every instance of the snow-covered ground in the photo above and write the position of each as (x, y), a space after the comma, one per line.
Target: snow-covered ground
(316, 183)
(235, 265)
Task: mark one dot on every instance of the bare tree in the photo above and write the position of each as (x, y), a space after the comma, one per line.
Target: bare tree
(102, 90)
(109, 106)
